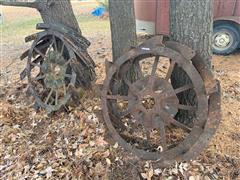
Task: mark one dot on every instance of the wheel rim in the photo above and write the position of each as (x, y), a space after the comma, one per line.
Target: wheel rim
(49, 71)
(165, 105)
(222, 40)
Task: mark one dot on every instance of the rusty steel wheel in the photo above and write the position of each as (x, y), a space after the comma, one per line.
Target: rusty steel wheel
(142, 114)
(49, 71)
(55, 66)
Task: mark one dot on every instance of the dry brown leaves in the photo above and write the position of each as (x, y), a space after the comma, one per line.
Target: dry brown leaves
(73, 145)
(63, 146)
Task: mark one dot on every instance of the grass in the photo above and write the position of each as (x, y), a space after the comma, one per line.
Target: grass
(90, 24)
(21, 22)
(16, 31)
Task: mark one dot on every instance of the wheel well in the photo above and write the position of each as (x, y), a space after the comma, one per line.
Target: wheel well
(233, 24)
(230, 23)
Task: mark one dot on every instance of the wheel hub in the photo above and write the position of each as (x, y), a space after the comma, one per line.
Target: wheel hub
(55, 70)
(148, 102)
(222, 40)
(154, 97)
(55, 64)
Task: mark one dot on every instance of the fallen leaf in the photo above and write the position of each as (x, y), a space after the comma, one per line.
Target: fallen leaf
(157, 172)
(108, 161)
(115, 146)
(100, 141)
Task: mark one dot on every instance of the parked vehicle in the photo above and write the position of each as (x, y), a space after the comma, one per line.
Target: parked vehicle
(152, 17)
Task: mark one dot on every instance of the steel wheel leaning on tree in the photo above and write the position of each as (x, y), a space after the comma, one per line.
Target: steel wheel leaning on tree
(144, 118)
(57, 63)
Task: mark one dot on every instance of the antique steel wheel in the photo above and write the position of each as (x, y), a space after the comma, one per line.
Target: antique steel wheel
(49, 71)
(57, 64)
(142, 113)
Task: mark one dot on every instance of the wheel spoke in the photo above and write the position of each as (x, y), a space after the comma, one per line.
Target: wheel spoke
(139, 70)
(131, 87)
(142, 109)
(128, 111)
(43, 45)
(155, 64)
(68, 62)
(147, 116)
(163, 134)
(55, 42)
(39, 59)
(48, 97)
(170, 70)
(186, 107)
(56, 98)
(117, 97)
(151, 81)
(39, 52)
(51, 100)
(50, 47)
(183, 88)
(154, 70)
(145, 120)
(73, 79)
(147, 132)
(36, 64)
(68, 76)
(171, 120)
(176, 123)
(39, 77)
(62, 49)
(64, 89)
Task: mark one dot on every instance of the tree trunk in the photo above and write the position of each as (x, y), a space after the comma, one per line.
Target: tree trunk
(123, 26)
(123, 31)
(59, 12)
(191, 24)
(52, 11)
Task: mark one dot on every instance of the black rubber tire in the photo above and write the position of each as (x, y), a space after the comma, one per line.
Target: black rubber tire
(232, 31)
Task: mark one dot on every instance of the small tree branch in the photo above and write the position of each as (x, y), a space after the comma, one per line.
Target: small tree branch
(20, 4)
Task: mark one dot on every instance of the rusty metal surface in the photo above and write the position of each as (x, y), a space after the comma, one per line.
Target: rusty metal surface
(142, 119)
(55, 65)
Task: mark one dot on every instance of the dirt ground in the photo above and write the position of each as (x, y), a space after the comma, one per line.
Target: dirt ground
(73, 144)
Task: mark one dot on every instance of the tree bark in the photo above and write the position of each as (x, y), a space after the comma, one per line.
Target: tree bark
(123, 31)
(123, 26)
(52, 11)
(59, 12)
(191, 24)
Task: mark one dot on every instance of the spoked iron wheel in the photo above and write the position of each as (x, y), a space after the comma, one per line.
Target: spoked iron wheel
(142, 113)
(49, 70)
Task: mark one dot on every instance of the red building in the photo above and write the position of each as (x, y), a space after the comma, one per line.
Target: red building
(152, 17)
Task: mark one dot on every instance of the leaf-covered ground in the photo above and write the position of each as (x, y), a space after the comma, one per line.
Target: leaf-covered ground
(76, 144)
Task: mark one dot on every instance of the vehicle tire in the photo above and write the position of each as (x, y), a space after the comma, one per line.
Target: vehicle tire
(226, 39)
